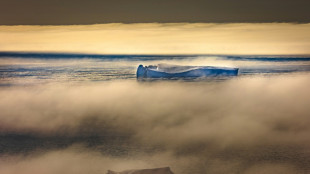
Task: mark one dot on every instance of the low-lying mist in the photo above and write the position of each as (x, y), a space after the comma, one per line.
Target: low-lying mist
(248, 125)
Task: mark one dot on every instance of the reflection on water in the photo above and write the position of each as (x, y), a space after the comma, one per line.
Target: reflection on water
(56, 119)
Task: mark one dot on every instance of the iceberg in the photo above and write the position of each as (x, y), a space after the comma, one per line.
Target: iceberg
(177, 71)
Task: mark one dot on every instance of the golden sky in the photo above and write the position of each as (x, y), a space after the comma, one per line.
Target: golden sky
(156, 38)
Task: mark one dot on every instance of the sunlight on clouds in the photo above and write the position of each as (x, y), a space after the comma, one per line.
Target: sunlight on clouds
(155, 38)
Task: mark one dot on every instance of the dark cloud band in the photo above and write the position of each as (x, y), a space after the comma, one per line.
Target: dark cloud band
(56, 12)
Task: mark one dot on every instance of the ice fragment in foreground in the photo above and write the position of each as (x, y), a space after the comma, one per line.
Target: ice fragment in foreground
(164, 170)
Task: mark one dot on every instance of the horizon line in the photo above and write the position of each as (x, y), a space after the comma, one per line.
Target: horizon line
(80, 54)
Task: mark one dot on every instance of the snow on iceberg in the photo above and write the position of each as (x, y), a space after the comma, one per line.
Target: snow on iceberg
(176, 71)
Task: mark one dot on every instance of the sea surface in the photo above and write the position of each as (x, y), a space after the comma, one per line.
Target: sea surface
(28, 68)
(87, 113)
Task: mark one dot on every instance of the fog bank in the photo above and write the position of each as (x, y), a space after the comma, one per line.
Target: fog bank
(240, 125)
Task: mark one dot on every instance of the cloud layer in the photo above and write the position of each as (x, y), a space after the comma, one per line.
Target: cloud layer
(47, 12)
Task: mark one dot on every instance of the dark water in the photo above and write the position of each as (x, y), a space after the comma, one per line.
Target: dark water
(27, 68)
(77, 113)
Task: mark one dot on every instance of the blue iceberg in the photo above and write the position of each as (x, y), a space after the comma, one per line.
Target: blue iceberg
(176, 71)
